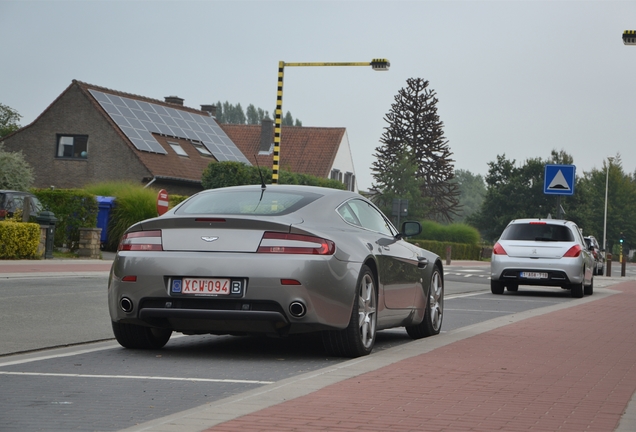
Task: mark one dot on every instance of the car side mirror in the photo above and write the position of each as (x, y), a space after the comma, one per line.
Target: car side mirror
(410, 229)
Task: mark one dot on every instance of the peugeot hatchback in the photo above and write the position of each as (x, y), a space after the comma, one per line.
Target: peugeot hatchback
(544, 252)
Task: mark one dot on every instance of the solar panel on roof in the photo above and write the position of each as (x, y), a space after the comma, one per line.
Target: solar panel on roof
(139, 119)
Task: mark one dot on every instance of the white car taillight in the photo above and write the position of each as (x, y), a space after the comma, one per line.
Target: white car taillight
(141, 241)
(285, 243)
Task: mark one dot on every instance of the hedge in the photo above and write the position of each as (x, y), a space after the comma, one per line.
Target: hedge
(459, 251)
(74, 209)
(19, 240)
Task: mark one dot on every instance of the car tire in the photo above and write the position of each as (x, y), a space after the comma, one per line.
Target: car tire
(432, 322)
(576, 290)
(140, 337)
(359, 337)
(512, 287)
(496, 287)
(589, 289)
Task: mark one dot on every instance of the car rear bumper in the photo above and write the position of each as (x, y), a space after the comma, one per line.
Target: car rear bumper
(323, 296)
(560, 272)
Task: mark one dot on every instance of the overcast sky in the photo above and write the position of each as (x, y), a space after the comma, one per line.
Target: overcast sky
(518, 78)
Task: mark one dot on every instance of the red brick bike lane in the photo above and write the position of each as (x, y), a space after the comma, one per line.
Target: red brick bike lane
(569, 370)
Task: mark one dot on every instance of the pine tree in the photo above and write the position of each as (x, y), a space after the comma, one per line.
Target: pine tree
(414, 129)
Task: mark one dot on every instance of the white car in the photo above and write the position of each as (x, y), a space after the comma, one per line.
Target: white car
(545, 252)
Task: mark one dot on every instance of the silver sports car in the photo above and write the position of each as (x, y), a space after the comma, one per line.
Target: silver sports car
(274, 260)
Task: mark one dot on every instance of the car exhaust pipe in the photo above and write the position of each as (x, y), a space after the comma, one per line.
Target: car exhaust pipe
(297, 309)
(126, 304)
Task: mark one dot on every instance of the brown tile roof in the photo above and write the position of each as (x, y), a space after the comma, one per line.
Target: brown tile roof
(306, 150)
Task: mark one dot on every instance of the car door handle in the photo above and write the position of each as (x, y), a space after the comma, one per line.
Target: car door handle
(422, 262)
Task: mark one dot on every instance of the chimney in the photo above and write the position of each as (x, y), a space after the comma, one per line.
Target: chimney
(209, 108)
(174, 100)
(267, 136)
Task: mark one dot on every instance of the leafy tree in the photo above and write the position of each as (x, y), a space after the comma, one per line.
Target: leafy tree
(400, 182)
(288, 120)
(415, 130)
(15, 172)
(621, 203)
(252, 115)
(472, 192)
(9, 119)
(234, 114)
(515, 192)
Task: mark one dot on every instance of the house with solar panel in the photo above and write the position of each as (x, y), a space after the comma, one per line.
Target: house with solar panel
(91, 134)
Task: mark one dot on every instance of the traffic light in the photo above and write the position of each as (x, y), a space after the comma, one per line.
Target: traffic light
(622, 239)
(629, 37)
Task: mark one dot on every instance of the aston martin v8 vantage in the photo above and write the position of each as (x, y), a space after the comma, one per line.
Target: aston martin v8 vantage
(275, 260)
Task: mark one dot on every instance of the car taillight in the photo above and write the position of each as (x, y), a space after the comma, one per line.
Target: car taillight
(284, 243)
(573, 252)
(498, 249)
(141, 241)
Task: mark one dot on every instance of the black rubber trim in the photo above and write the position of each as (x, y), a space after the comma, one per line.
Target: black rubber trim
(237, 315)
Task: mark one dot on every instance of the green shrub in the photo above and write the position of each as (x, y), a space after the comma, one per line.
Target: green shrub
(133, 203)
(459, 251)
(19, 240)
(173, 200)
(74, 209)
(453, 233)
(223, 174)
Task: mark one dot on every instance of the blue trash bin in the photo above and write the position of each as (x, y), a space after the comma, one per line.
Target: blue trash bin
(105, 205)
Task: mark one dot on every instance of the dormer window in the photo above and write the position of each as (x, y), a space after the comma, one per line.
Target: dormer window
(202, 149)
(177, 148)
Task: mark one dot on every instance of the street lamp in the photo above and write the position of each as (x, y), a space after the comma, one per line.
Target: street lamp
(629, 37)
(376, 64)
(609, 163)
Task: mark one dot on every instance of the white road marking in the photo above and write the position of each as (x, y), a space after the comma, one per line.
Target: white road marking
(137, 377)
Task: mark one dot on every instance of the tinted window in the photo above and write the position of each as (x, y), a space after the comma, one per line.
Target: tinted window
(537, 232)
(247, 203)
(364, 214)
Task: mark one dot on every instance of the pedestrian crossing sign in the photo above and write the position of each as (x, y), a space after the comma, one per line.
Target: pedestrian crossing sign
(559, 179)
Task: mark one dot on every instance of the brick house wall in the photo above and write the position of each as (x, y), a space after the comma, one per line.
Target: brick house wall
(72, 113)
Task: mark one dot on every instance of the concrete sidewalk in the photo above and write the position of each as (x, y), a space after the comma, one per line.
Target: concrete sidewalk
(569, 367)
(54, 267)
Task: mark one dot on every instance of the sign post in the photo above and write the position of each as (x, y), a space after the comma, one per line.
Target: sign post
(559, 180)
(162, 202)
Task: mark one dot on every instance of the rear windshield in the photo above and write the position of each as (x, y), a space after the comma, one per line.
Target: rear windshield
(247, 203)
(537, 232)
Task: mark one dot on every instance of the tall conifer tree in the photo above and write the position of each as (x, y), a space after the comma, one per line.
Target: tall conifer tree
(414, 129)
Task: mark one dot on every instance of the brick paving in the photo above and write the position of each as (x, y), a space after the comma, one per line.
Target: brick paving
(569, 370)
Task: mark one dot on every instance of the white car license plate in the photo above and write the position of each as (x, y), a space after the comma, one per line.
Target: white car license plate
(205, 286)
(533, 275)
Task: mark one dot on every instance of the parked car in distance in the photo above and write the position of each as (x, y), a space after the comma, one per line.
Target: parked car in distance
(599, 256)
(544, 252)
(12, 201)
(274, 260)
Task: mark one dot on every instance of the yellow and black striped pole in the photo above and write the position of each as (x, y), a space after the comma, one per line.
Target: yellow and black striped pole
(376, 64)
(278, 122)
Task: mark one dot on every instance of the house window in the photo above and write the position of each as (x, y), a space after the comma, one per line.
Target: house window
(202, 149)
(178, 149)
(72, 146)
(350, 181)
(336, 174)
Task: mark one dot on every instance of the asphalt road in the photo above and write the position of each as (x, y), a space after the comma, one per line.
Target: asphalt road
(87, 386)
